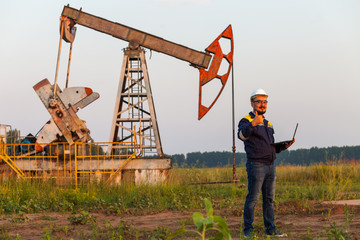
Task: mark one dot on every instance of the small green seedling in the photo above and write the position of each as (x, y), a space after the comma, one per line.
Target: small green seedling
(82, 218)
(204, 224)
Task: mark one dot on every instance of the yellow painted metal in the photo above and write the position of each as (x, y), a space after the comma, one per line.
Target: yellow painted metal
(67, 163)
(3, 135)
(4, 150)
(11, 163)
(120, 151)
(111, 178)
(132, 156)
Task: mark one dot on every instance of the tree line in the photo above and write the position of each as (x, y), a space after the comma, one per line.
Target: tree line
(304, 157)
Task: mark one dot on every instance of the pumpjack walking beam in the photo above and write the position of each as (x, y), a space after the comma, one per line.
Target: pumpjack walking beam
(137, 37)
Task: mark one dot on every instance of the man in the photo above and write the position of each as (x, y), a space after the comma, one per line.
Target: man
(257, 133)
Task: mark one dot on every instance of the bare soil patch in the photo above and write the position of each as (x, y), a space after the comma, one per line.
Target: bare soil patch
(298, 223)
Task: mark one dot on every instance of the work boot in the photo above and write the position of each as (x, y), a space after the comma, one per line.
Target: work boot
(250, 235)
(276, 233)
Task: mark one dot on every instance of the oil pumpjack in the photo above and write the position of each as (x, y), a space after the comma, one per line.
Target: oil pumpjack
(134, 102)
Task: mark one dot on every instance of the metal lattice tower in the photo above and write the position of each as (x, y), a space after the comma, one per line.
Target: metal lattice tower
(134, 106)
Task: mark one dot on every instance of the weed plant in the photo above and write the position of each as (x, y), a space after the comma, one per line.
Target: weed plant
(206, 224)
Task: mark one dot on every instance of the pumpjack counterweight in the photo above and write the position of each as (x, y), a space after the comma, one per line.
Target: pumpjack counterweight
(64, 122)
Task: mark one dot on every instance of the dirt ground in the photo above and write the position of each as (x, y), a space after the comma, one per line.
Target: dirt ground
(297, 223)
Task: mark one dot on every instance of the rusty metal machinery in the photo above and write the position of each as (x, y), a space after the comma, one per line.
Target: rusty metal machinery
(136, 38)
(134, 104)
(63, 106)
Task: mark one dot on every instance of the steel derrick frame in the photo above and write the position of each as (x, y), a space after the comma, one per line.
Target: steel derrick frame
(134, 105)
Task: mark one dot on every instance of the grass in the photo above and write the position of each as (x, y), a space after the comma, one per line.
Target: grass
(296, 186)
(318, 182)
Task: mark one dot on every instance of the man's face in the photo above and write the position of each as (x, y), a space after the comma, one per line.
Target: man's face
(259, 104)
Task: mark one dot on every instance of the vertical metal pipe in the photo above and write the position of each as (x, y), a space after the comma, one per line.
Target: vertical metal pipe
(5, 142)
(76, 170)
(233, 123)
(62, 26)
(68, 70)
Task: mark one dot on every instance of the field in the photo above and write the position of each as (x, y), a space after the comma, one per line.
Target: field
(42, 210)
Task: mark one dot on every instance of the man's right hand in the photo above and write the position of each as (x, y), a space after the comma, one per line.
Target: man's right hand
(259, 119)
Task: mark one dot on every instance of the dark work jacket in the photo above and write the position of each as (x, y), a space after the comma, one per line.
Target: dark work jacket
(258, 140)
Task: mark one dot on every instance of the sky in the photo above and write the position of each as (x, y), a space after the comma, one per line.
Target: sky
(304, 53)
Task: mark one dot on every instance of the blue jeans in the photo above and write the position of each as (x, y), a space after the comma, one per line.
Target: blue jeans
(260, 177)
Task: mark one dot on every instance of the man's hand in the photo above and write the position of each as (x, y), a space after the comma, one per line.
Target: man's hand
(290, 143)
(259, 119)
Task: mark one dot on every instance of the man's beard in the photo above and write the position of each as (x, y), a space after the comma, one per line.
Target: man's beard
(261, 112)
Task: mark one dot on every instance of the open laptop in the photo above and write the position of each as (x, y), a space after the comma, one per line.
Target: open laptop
(286, 142)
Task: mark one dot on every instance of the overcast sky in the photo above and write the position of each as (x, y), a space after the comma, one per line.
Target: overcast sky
(304, 53)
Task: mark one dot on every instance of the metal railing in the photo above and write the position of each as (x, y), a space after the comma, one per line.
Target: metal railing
(76, 163)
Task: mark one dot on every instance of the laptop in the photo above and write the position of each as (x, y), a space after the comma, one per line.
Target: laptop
(288, 141)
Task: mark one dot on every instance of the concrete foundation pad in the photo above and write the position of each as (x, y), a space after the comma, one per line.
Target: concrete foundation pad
(95, 164)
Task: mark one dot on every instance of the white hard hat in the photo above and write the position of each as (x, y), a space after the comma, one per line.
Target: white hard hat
(258, 91)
